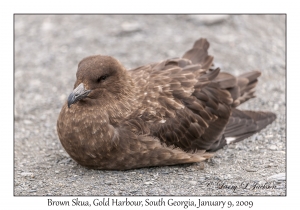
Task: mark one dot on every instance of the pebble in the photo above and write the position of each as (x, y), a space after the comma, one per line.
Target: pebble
(254, 137)
(212, 162)
(27, 174)
(201, 179)
(280, 152)
(269, 165)
(32, 191)
(27, 122)
(272, 147)
(108, 182)
(190, 170)
(130, 27)
(148, 183)
(260, 138)
(227, 176)
(280, 187)
(277, 177)
(133, 191)
(192, 182)
(201, 165)
(269, 136)
(251, 169)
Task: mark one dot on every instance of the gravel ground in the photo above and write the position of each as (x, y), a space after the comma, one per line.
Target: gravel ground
(47, 51)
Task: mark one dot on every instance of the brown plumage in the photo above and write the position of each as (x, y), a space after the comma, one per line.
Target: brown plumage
(172, 112)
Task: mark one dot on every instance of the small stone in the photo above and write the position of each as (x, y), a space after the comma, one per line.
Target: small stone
(62, 97)
(27, 174)
(133, 191)
(277, 177)
(280, 152)
(259, 138)
(201, 179)
(192, 182)
(269, 136)
(43, 117)
(250, 169)
(211, 162)
(254, 137)
(27, 122)
(280, 187)
(269, 165)
(272, 147)
(227, 176)
(32, 191)
(190, 170)
(130, 26)
(57, 172)
(201, 165)
(148, 183)
(108, 182)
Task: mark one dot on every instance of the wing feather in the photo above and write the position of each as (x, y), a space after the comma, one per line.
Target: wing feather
(187, 104)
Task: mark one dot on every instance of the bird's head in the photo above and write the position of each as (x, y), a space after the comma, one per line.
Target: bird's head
(98, 78)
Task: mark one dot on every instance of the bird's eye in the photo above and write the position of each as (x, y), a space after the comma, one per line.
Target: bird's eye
(102, 78)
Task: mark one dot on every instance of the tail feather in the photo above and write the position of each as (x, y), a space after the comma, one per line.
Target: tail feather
(241, 88)
(246, 85)
(251, 76)
(198, 54)
(226, 80)
(243, 124)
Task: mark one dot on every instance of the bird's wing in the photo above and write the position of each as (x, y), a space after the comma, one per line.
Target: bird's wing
(180, 104)
(185, 103)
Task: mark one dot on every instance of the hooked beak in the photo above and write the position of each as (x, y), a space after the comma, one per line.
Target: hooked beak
(78, 93)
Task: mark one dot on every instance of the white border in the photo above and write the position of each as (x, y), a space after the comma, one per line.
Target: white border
(154, 6)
